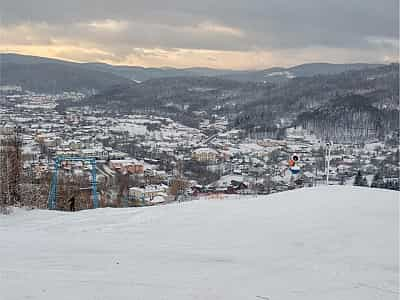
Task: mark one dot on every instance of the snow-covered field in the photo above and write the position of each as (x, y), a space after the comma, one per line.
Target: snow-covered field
(323, 243)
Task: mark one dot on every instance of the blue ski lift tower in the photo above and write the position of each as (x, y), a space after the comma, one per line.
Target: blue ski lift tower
(52, 200)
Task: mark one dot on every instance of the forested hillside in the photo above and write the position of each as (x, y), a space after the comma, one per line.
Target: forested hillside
(364, 102)
(351, 118)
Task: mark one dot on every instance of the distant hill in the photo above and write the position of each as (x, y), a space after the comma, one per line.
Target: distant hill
(269, 75)
(312, 69)
(140, 74)
(320, 101)
(262, 108)
(53, 75)
(305, 70)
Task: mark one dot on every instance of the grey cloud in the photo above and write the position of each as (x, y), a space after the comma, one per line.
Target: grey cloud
(266, 24)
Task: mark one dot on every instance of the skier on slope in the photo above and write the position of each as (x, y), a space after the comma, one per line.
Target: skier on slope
(72, 203)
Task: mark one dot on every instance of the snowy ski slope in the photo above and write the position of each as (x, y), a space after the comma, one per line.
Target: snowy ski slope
(323, 243)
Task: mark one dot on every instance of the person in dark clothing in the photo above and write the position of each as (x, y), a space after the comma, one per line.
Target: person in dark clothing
(72, 204)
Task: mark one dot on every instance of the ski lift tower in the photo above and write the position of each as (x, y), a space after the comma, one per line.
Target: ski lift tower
(52, 201)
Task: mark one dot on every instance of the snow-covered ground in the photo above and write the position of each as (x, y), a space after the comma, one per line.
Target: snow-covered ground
(322, 243)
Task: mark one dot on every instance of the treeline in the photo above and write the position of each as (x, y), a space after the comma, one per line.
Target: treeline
(18, 186)
(316, 95)
(378, 181)
(350, 119)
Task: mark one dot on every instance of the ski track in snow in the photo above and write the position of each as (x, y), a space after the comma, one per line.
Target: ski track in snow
(322, 243)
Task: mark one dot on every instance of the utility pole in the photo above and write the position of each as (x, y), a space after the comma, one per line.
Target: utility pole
(328, 160)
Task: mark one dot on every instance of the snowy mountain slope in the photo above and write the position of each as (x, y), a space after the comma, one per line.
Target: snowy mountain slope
(324, 243)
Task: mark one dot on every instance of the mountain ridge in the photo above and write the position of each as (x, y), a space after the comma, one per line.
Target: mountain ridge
(116, 74)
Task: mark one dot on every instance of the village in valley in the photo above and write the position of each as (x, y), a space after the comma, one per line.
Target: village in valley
(146, 159)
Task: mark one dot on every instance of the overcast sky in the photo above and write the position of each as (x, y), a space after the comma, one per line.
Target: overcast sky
(221, 33)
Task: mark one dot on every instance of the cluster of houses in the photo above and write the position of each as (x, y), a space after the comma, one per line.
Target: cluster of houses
(152, 148)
